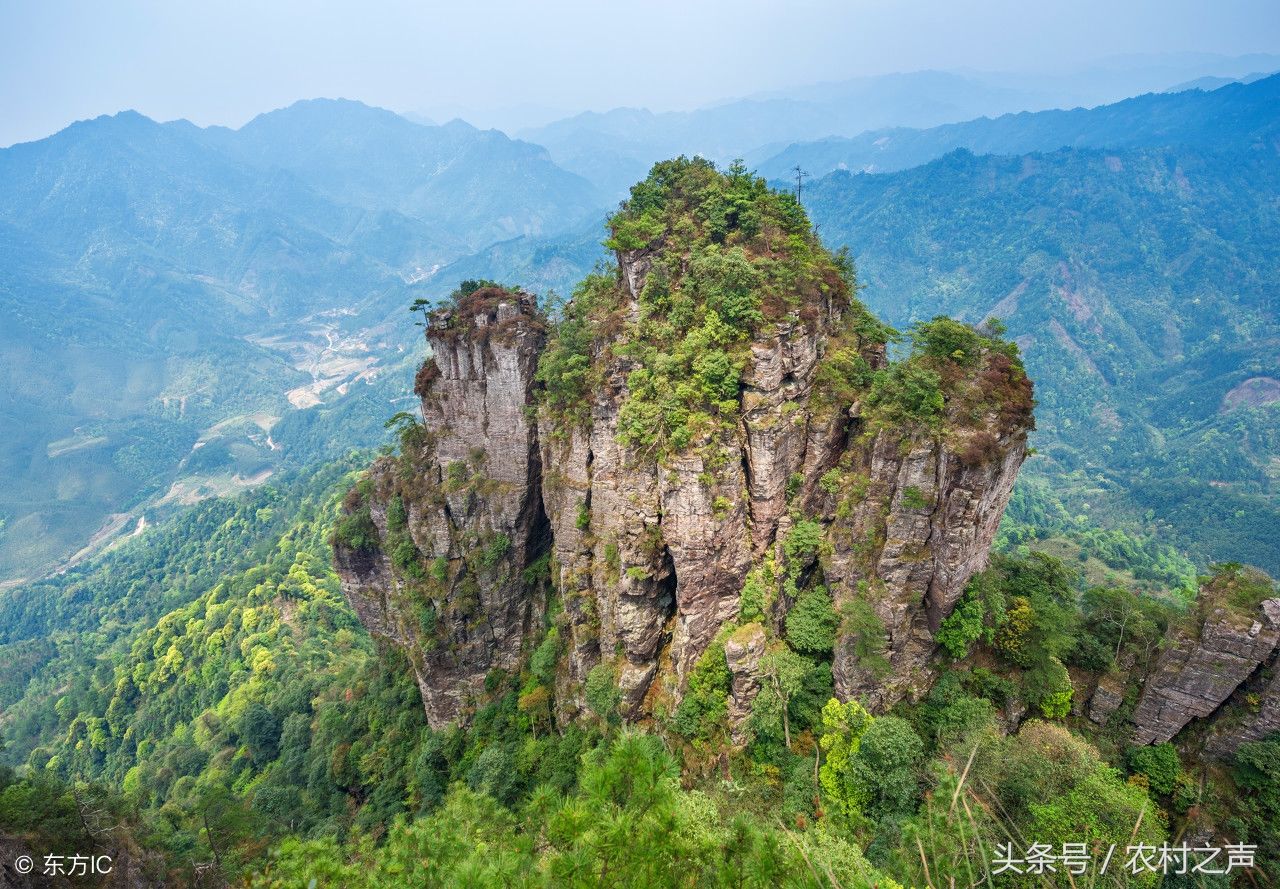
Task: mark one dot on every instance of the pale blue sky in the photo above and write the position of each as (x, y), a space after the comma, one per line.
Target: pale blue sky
(223, 61)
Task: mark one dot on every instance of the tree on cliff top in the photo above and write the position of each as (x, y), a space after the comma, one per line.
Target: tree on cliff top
(725, 255)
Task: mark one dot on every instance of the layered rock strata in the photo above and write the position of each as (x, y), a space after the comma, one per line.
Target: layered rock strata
(650, 560)
(658, 567)
(1223, 647)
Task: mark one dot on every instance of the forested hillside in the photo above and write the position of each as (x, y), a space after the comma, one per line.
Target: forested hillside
(171, 294)
(212, 681)
(1140, 287)
(208, 686)
(212, 676)
(380, 507)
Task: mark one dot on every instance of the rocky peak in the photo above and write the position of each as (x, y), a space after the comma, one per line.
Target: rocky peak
(720, 440)
(457, 517)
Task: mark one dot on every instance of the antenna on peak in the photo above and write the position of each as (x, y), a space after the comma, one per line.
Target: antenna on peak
(800, 177)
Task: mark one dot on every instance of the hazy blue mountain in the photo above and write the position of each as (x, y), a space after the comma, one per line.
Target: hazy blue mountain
(540, 265)
(173, 301)
(1232, 112)
(1103, 82)
(1210, 83)
(615, 148)
(125, 203)
(143, 274)
(1141, 285)
(476, 186)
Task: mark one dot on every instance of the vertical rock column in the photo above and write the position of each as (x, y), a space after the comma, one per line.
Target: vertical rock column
(451, 586)
(923, 529)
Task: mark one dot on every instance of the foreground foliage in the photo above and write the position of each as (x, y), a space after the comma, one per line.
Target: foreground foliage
(255, 730)
(628, 824)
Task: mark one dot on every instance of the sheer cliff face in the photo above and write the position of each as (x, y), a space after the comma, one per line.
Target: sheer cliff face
(719, 416)
(657, 568)
(459, 515)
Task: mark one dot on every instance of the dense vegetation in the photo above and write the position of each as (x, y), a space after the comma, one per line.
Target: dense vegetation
(726, 258)
(211, 674)
(1036, 516)
(254, 725)
(215, 697)
(627, 823)
(734, 255)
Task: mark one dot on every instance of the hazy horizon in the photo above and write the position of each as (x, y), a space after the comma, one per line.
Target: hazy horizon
(509, 65)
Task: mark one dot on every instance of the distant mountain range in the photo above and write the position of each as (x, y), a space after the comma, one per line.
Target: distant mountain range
(617, 147)
(1211, 83)
(1141, 284)
(1193, 117)
(472, 187)
(185, 310)
(170, 293)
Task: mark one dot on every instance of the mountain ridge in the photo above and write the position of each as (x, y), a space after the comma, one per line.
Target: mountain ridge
(1235, 111)
(181, 298)
(1135, 350)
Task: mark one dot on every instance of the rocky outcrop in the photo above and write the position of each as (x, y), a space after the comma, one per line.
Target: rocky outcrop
(742, 652)
(1252, 714)
(772, 446)
(1262, 718)
(1106, 698)
(650, 560)
(925, 525)
(651, 556)
(458, 516)
(1205, 665)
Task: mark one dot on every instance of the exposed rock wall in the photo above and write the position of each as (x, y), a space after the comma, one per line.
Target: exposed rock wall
(924, 529)
(1203, 667)
(652, 559)
(795, 460)
(1261, 721)
(717, 418)
(1106, 699)
(459, 517)
(743, 652)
